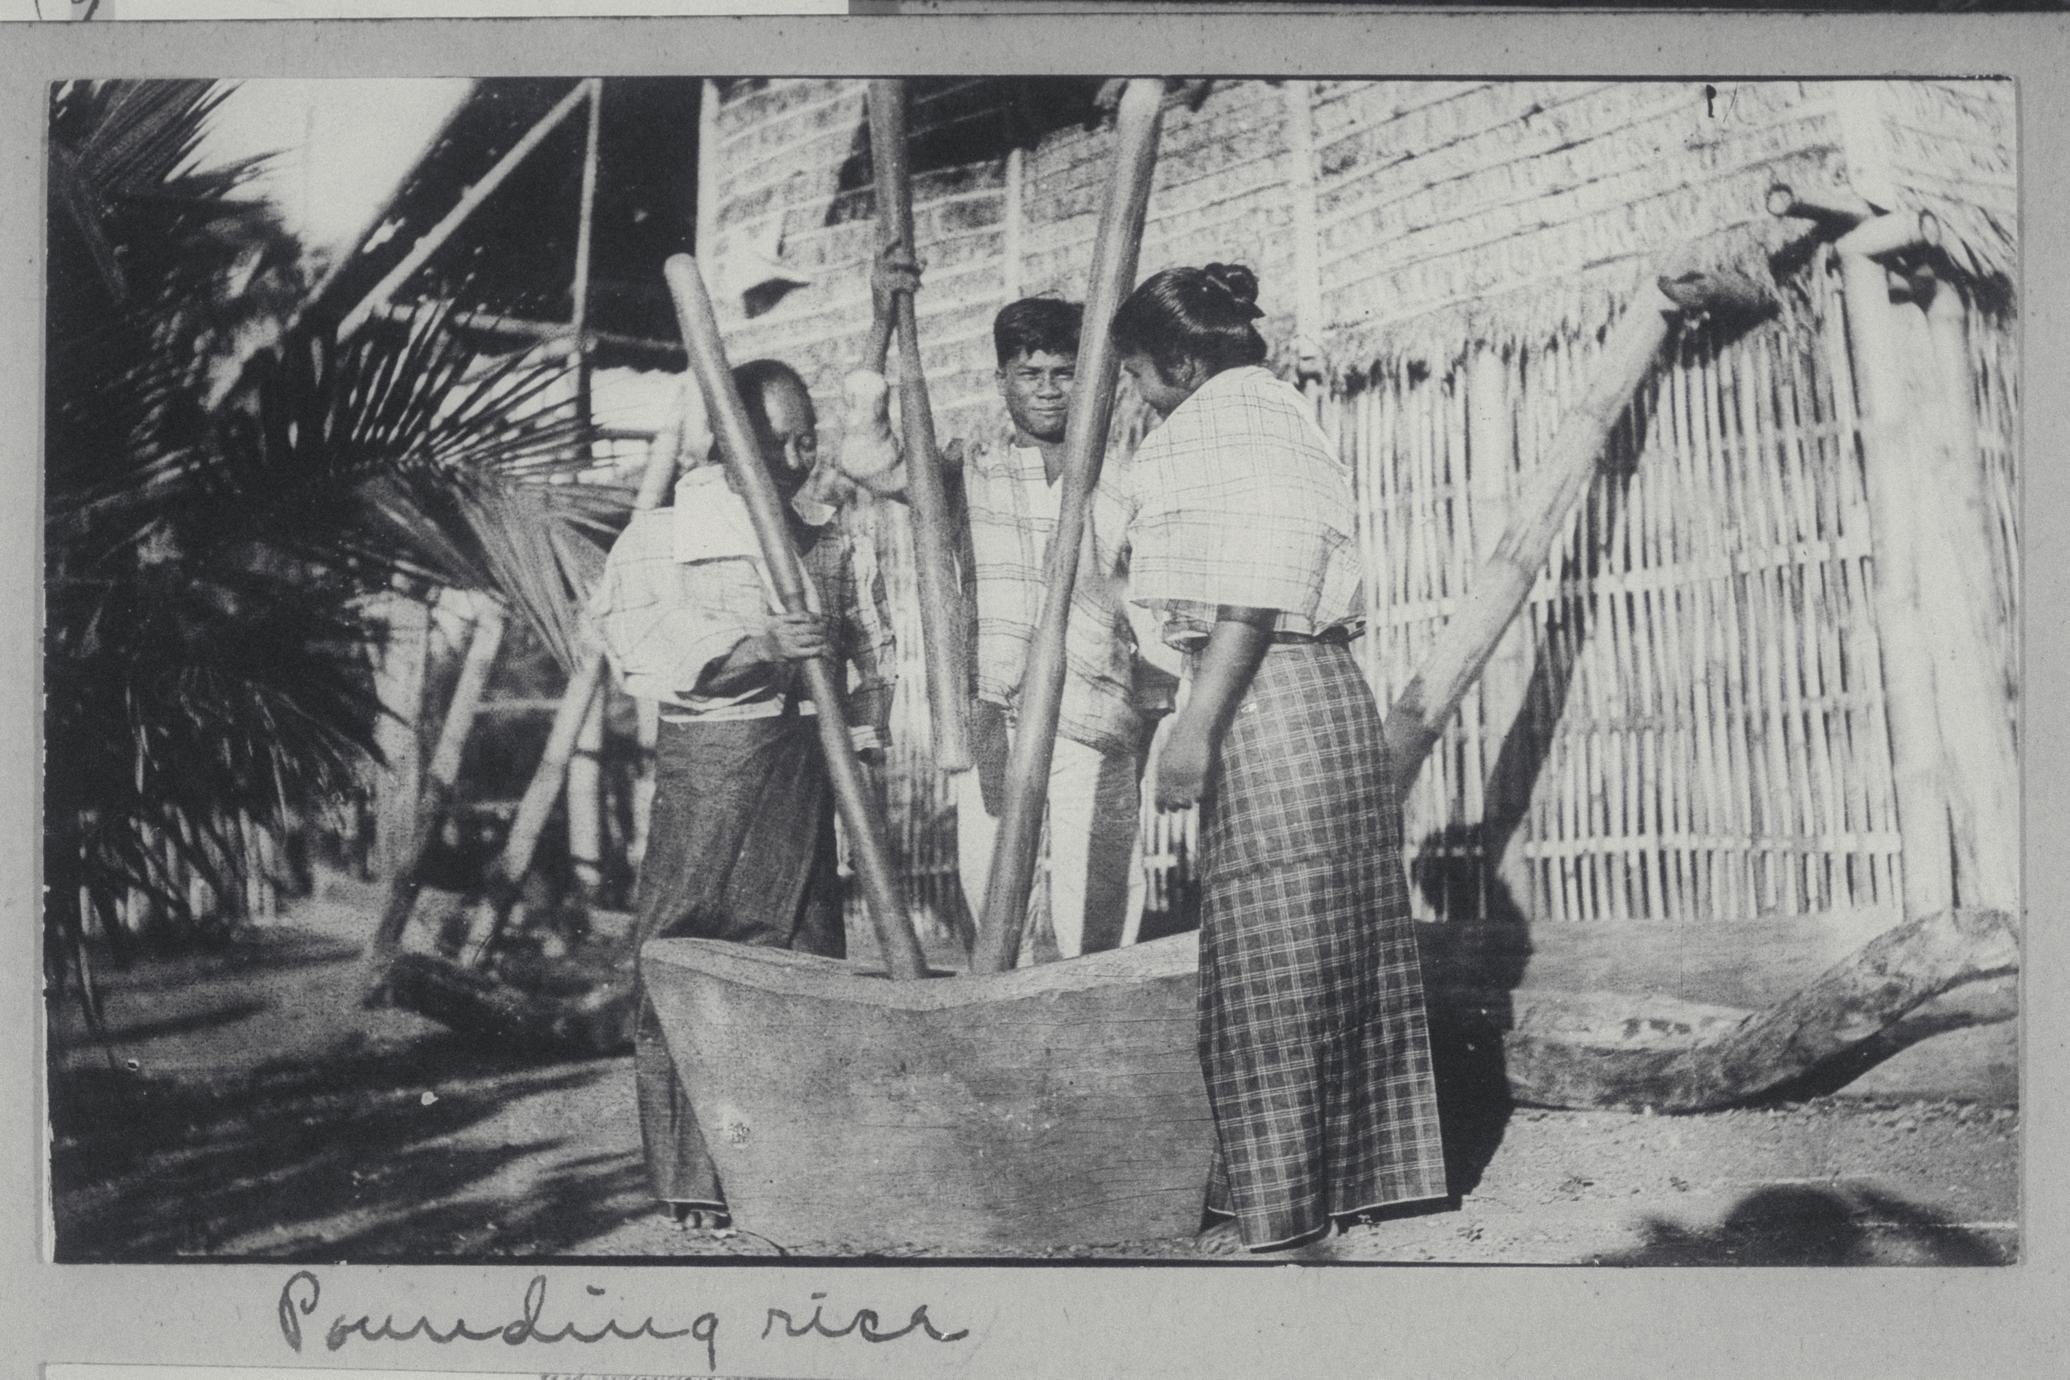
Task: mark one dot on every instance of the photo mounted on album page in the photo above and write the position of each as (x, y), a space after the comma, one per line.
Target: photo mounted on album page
(750, 674)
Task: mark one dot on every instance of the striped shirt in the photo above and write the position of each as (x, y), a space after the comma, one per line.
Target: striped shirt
(1012, 514)
(1238, 498)
(684, 585)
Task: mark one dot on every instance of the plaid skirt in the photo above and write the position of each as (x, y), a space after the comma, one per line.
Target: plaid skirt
(740, 847)
(1312, 1031)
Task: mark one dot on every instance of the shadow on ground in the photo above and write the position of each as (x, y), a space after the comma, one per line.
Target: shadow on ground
(1799, 1225)
(341, 1159)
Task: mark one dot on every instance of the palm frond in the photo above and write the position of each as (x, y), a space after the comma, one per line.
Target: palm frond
(405, 451)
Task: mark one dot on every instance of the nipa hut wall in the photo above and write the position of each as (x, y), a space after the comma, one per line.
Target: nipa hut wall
(1701, 709)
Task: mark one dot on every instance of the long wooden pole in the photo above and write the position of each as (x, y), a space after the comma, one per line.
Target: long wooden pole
(470, 199)
(585, 769)
(585, 232)
(941, 604)
(742, 454)
(1544, 503)
(1012, 873)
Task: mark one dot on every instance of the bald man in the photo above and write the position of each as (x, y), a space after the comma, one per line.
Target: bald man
(741, 841)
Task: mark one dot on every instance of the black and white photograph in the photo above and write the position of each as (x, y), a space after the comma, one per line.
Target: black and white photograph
(650, 669)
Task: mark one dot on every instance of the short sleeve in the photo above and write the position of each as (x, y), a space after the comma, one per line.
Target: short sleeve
(1238, 503)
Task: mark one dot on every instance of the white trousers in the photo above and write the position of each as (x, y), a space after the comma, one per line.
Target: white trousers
(1095, 838)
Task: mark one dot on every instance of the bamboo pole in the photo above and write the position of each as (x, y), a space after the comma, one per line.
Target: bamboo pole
(1120, 235)
(743, 458)
(441, 779)
(585, 238)
(472, 198)
(490, 323)
(585, 769)
(1543, 507)
(585, 801)
(941, 593)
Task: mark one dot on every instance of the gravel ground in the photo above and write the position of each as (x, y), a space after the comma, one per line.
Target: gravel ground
(249, 1108)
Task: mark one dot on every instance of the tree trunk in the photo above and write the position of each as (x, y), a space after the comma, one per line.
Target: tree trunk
(1616, 1051)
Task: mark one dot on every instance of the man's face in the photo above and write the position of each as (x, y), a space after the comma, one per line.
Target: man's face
(1037, 391)
(790, 446)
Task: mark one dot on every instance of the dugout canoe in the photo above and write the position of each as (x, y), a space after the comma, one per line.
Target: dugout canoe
(1047, 1106)
(1062, 1105)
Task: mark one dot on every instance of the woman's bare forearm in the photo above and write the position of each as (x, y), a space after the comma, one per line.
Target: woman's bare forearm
(1223, 671)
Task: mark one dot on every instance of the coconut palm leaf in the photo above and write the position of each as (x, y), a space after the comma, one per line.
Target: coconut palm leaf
(198, 679)
(405, 451)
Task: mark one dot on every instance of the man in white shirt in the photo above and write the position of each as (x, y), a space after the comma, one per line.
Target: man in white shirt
(741, 841)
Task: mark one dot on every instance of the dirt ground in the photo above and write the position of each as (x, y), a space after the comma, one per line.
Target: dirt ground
(249, 1108)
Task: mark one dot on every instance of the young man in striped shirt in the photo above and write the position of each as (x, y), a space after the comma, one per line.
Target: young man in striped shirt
(1006, 494)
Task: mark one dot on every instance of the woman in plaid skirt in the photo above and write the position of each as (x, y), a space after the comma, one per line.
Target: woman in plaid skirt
(1312, 1030)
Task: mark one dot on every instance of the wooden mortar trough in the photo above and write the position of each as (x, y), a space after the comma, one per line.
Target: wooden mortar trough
(1056, 1105)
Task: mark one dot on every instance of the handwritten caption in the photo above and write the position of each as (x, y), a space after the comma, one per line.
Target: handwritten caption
(535, 1322)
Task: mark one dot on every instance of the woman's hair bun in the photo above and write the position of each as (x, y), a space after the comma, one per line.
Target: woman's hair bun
(1238, 282)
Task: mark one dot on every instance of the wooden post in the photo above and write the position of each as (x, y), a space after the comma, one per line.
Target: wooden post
(1298, 97)
(473, 197)
(1964, 616)
(941, 603)
(441, 780)
(399, 681)
(1012, 872)
(1544, 503)
(1891, 471)
(1016, 221)
(742, 455)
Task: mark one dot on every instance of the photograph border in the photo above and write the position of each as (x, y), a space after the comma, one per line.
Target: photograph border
(1160, 1319)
